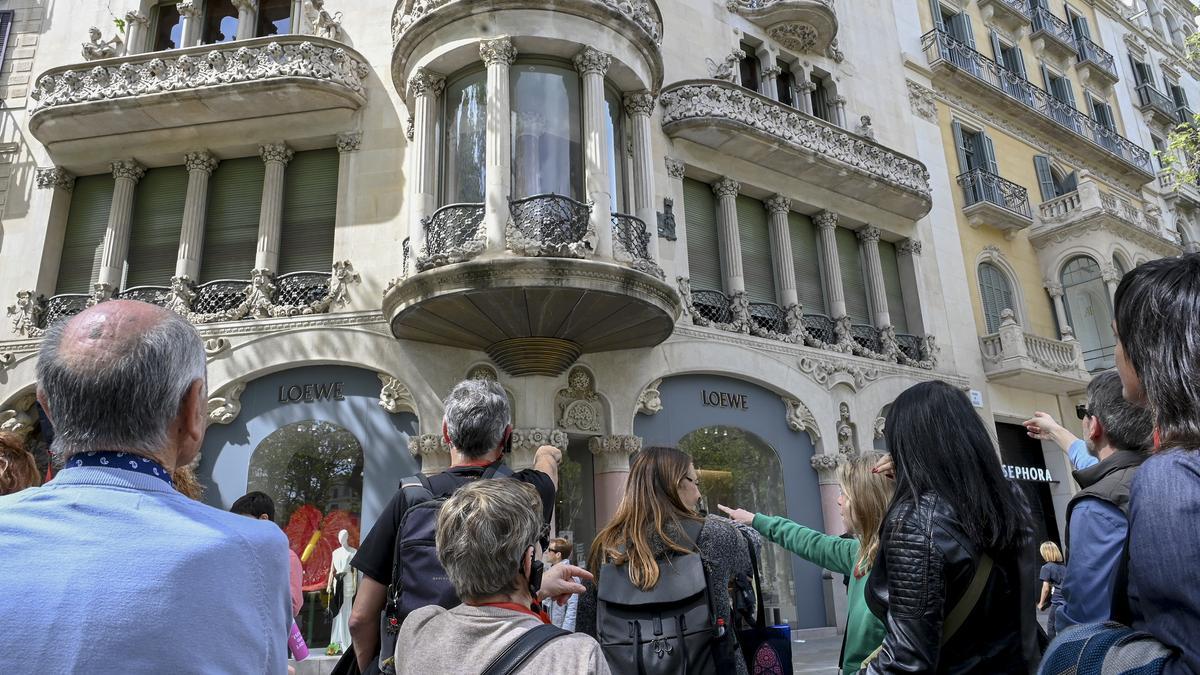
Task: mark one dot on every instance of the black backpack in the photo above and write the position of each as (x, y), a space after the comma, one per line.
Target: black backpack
(669, 629)
(418, 578)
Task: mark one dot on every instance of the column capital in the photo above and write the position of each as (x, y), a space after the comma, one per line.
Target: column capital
(825, 220)
(826, 466)
(779, 204)
(675, 168)
(55, 177)
(592, 60)
(349, 141)
(839, 100)
(807, 86)
(909, 247)
(1054, 289)
(426, 83)
(497, 51)
(611, 453)
(244, 5)
(1110, 274)
(187, 8)
(772, 72)
(869, 234)
(134, 16)
(128, 168)
(276, 152)
(639, 103)
(726, 187)
(200, 160)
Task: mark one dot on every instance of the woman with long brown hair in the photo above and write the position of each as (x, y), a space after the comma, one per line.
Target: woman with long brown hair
(18, 470)
(863, 501)
(658, 520)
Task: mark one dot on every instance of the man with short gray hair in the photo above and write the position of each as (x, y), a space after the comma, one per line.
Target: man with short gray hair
(108, 568)
(477, 427)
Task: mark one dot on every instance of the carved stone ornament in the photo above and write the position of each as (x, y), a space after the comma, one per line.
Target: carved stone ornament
(224, 409)
(432, 450)
(826, 466)
(909, 247)
(864, 128)
(880, 423)
(128, 169)
(800, 418)
(214, 347)
(727, 69)
(497, 51)
(796, 36)
(826, 372)
(276, 152)
(200, 160)
(410, 128)
(642, 13)
(349, 141)
(394, 397)
(55, 178)
(675, 168)
(666, 220)
(27, 314)
(650, 400)
(21, 418)
(289, 57)
(845, 430)
(684, 285)
(592, 60)
(578, 406)
(426, 83)
(640, 103)
(868, 233)
(98, 48)
(922, 101)
(525, 443)
(611, 453)
(7, 359)
(483, 372)
(726, 188)
(322, 23)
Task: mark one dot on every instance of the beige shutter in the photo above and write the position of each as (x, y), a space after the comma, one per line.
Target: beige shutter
(891, 282)
(755, 239)
(854, 284)
(806, 260)
(231, 228)
(700, 211)
(157, 220)
(83, 241)
(309, 211)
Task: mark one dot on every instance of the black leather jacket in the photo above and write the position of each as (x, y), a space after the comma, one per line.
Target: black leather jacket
(924, 567)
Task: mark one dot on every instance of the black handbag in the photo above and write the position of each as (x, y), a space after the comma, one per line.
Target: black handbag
(767, 649)
(348, 665)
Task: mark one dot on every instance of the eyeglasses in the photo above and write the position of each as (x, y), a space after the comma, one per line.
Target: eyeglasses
(1082, 411)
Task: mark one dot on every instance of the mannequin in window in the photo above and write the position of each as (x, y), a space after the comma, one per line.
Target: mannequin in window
(341, 584)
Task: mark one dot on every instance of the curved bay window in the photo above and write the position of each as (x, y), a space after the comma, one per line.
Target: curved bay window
(464, 130)
(1087, 303)
(546, 131)
(614, 123)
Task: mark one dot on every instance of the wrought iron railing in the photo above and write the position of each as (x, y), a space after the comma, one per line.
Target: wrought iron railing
(406, 247)
(155, 295)
(631, 235)
(867, 337)
(980, 186)
(1149, 97)
(940, 47)
(1094, 53)
(220, 295)
(910, 345)
(768, 316)
(452, 226)
(1045, 22)
(1185, 115)
(1019, 6)
(556, 224)
(821, 327)
(300, 289)
(712, 305)
(63, 306)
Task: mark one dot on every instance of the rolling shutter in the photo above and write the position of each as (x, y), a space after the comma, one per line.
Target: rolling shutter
(854, 283)
(309, 210)
(1041, 165)
(995, 293)
(700, 212)
(83, 241)
(6, 20)
(755, 239)
(891, 283)
(806, 261)
(231, 228)
(154, 232)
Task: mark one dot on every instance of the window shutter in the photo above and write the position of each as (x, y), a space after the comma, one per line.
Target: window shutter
(935, 9)
(154, 232)
(700, 212)
(309, 209)
(6, 19)
(1071, 183)
(755, 239)
(83, 240)
(1068, 90)
(960, 146)
(1041, 166)
(806, 261)
(1021, 64)
(854, 283)
(996, 50)
(967, 31)
(995, 293)
(1046, 80)
(989, 155)
(231, 226)
(891, 284)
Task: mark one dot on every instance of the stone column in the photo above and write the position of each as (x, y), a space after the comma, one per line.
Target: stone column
(189, 31)
(426, 87)
(876, 289)
(839, 106)
(826, 466)
(770, 82)
(778, 208)
(806, 88)
(610, 469)
(908, 257)
(498, 55)
(136, 26)
(730, 244)
(675, 171)
(1060, 310)
(299, 24)
(640, 106)
(347, 145)
(127, 173)
(270, 215)
(61, 184)
(1111, 278)
(592, 64)
(200, 166)
(831, 268)
(247, 24)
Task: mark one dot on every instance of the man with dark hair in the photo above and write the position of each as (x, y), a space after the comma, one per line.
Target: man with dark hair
(259, 505)
(1118, 436)
(559, 553)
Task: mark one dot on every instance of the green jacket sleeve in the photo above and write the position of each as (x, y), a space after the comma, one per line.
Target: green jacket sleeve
(832, 553)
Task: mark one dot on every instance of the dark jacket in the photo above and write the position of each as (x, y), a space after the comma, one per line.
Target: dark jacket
(925, 564)
(1111, 480)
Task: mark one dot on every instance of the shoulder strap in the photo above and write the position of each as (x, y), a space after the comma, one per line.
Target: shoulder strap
(520, 650)
(958, 615)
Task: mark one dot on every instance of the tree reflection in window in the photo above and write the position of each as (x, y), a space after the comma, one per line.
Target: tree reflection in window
(737, 468)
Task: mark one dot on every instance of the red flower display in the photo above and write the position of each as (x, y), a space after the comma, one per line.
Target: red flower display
(306, 525)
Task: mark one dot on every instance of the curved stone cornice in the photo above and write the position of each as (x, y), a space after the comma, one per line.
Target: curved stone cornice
(804, 26)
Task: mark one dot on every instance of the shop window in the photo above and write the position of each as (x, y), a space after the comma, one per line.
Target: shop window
(83, 241)
(313, 471)
(1088, 311)
(737, 467)
(1022, 455)
(574, 506)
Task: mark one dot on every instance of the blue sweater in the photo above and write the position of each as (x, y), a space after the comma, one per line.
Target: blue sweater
(111, 571)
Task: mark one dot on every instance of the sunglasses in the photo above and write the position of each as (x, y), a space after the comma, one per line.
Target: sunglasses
(1082, 411)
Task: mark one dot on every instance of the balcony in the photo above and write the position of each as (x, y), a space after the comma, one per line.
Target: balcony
(991, 200)
(182, 89)
(1011, 15)
(1051, 35)
(1184, 115)
(955, 65)
(738, 122)
(805, 26)
(1077, 215)
(545, 299)
(1156, 106)
(1175, 190)
(1095, 64)
(1026, 361)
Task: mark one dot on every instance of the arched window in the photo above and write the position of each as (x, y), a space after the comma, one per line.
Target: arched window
(996, 293)
(1089, 311)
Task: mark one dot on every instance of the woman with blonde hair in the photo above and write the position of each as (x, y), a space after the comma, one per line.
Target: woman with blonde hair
(18, 470)
(863, 502)
(1052, 575)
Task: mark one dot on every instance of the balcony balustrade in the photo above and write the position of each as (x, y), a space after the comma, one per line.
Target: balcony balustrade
(453, 233)
(1019, 359)
(991, 200)
(1012, 15)
(1156, 104)
(1184, 115)
(1053, 34)
(1089, 209)
(632, 239)
(1174, 189)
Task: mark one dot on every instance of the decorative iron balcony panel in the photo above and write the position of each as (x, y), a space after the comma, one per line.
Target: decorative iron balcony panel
(155, 295)
(979, 185)
(63, 306)
(713, 306)
(910, 345)
(867, 337)
(1060, 32)
(768, 316)
(1185, 115)
(1092, 53)
(1154, 101)
(821, 327)
(632, 239)
(220, 296)
(300, 289)
(453, 233)
(550, 225)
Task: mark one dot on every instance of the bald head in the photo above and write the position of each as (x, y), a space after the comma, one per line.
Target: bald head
(116, 376)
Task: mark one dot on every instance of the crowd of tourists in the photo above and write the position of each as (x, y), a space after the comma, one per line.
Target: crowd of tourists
(115, 565)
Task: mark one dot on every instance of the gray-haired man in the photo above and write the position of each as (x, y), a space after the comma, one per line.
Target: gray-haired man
(108, 568)
(477, 427)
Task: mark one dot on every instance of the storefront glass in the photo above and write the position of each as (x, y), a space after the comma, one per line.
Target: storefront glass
(574, 508)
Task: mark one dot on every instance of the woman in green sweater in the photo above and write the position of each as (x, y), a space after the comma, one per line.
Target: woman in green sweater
(863, 501)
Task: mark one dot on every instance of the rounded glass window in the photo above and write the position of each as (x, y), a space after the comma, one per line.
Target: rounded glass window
(464, 129)
(546, 120)
(736, 467)
(614, 117)
(1089, 312)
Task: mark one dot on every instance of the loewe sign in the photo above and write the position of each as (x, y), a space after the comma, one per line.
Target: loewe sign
(721, 399)
(308, 393)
